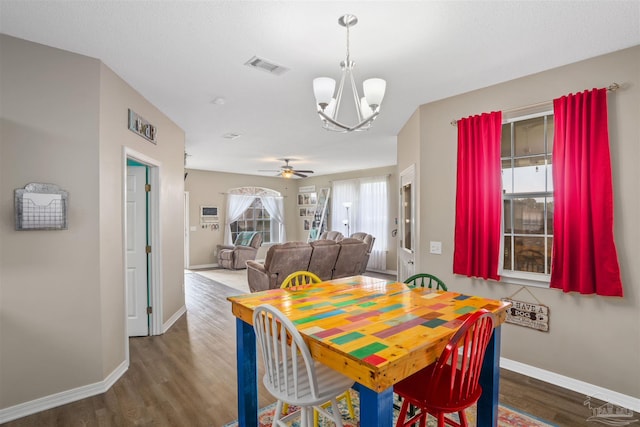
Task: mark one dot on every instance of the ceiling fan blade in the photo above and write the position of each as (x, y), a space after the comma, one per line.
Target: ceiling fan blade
(303, 171)
(299, 174)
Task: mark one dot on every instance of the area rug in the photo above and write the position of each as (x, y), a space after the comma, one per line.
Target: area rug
(236, 279)
(507, 417)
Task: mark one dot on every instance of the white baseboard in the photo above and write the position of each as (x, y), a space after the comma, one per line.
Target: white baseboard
(169, 323)
(201, 266)
(390, 272)
(578, 386)
(62, 398)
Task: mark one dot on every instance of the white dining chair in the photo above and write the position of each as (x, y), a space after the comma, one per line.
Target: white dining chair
(291, 374)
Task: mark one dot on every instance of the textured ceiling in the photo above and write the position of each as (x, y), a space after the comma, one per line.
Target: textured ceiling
(181, 55)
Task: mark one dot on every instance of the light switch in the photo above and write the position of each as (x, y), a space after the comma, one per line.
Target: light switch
(435, 248)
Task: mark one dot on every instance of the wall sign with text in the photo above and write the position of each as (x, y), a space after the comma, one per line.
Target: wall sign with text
(142, 127)
(529, 315)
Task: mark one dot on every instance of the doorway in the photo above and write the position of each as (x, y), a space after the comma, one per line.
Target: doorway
(136, 244)
(142, 250)
(407, 250)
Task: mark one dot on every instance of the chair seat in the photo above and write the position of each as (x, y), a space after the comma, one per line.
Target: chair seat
(330, 384)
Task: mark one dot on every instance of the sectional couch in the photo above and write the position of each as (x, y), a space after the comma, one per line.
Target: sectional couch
(326, 258)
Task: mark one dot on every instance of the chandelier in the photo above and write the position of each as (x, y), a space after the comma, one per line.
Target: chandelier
(367, 107)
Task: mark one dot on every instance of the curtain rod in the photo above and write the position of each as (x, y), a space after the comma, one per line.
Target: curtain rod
(611, 88)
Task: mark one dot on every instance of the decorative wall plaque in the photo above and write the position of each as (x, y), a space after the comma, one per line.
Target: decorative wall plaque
(527, 314)
(142, 127)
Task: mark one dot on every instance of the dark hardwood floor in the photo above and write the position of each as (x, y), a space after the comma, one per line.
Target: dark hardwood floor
(187, 377)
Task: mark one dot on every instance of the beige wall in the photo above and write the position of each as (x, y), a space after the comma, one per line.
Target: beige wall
(64, 121)
(591, 339)
(116, 97)
(208, 188)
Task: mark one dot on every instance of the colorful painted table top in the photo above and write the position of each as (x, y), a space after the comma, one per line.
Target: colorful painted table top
(374, 331)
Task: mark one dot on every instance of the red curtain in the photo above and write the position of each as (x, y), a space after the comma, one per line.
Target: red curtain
(478, 197)
(584, 254)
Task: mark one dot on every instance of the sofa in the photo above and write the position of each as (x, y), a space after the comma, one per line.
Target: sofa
(245, 248)
(328, 259)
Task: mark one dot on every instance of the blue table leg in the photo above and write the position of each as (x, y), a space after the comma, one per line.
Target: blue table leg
(376, 409)
(490, 383)
(247, 374)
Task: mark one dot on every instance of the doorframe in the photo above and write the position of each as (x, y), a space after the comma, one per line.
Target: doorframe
(415, 211)
(187, 230)
(153, 226)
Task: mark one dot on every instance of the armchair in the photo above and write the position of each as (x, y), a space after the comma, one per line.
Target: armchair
(234, 257)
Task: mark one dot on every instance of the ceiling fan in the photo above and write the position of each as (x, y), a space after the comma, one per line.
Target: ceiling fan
(287, 171)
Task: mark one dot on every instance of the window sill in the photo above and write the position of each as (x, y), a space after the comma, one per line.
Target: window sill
(537, 280)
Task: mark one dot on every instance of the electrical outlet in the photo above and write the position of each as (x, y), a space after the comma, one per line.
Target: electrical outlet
(435, 248)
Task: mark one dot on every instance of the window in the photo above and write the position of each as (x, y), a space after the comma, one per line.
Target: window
(255, 218)
(527, 195)
(368, 212)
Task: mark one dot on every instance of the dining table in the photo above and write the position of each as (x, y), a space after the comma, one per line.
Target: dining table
(375, 331)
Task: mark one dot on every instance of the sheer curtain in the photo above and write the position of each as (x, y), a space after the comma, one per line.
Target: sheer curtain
(344, 192)
(369, 213)
(275, 207)
(236, 205)
(478, 197)
(373, 204)
(584, 259)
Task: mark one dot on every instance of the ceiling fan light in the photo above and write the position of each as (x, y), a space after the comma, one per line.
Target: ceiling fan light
(374, 91)
(323, 88)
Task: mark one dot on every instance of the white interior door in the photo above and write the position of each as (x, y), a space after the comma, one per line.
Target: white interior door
(407, 250)
(136, 277)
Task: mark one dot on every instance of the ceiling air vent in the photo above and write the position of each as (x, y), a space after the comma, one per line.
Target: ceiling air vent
(231, 135)
(264, 65)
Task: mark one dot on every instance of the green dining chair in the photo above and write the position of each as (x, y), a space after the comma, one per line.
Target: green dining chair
(425, 280)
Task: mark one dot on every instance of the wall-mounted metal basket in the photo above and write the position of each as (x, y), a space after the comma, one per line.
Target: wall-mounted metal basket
(41, 207)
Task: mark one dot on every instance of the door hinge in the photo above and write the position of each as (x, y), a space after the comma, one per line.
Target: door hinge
(148, 249)
(149, 310)
(147, 187)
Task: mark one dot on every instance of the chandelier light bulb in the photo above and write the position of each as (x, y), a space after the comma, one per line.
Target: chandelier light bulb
(323, 88)
(374, 92)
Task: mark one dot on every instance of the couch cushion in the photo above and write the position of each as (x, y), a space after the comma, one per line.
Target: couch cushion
(350, 258)
(288, 246)
(323, 258)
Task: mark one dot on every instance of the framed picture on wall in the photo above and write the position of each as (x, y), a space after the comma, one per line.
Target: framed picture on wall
(303, 211)
(307, 224)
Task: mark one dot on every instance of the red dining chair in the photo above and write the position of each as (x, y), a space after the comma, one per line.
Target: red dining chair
(450, 384)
